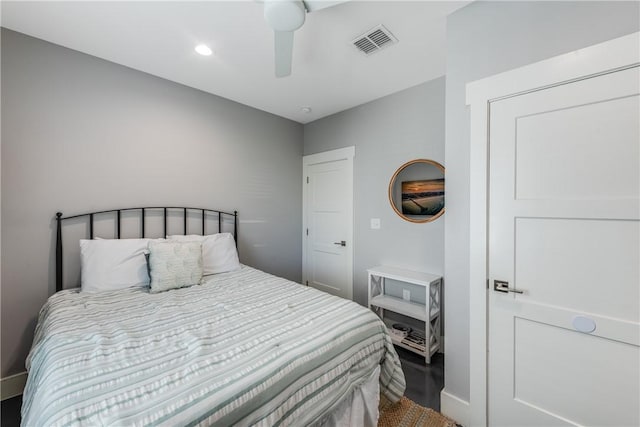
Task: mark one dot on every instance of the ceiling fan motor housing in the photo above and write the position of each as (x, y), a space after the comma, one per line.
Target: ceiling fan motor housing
(284, 15)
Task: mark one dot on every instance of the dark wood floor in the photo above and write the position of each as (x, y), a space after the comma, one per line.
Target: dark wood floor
(10, 412)
(424, 383)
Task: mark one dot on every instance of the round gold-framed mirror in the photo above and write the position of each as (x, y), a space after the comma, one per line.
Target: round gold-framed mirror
(416, 191)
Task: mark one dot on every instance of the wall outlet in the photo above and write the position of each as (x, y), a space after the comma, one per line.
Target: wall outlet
(375, 223)
(406, 295)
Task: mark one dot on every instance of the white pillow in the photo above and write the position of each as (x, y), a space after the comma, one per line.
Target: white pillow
(112, 264)
(219, 254)
(174, 265)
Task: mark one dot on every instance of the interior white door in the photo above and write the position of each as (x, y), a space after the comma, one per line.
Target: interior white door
(564, 229)
(328, 222)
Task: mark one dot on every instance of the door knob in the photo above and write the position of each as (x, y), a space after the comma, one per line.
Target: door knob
(340, 243)
(502, 286)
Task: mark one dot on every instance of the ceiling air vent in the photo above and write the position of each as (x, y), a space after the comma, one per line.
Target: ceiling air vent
(373, 40)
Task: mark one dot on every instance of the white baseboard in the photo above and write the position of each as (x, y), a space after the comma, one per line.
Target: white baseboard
(12, 386)
(454, 408)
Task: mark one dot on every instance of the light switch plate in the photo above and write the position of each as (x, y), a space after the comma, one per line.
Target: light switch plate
(375, 223)
(406, 295)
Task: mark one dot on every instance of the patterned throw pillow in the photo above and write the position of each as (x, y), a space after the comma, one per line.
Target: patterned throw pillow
(174, 265)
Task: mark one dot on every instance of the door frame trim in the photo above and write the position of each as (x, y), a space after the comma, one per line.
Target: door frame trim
(347, 153)
(612, 55)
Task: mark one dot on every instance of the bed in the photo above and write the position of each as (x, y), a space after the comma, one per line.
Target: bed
(241, 348)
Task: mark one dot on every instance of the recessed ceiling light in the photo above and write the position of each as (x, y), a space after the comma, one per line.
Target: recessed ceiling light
(204, 50)
(306, 110)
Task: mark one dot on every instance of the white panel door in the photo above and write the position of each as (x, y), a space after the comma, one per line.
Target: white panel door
(328, 212)
(564, 229)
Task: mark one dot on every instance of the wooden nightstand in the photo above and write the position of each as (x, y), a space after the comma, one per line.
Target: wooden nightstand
(429, 313)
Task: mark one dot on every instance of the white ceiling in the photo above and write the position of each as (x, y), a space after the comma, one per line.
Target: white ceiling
(328, 73)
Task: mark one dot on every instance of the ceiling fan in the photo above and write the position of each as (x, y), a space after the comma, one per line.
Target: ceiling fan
(284, 17)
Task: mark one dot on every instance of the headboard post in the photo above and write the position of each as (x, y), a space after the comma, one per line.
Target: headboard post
(235, 227)
(58, 251)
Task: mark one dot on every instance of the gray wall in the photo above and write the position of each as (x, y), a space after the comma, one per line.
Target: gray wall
(483, 39)
(82, 134)
(387, 133)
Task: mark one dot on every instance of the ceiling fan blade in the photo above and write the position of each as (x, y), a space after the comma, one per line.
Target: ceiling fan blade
(284, 51)
(313, 5)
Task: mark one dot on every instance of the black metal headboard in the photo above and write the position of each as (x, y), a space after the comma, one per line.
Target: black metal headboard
(143, 211)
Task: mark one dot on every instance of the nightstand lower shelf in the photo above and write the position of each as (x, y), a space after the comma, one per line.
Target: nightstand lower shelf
(435, 345)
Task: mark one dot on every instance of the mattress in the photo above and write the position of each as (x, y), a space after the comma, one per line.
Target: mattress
(243, 348)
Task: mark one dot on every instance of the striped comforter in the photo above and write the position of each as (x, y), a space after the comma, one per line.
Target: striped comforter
(244, 348)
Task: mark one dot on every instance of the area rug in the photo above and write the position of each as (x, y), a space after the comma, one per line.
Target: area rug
(407, 413)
